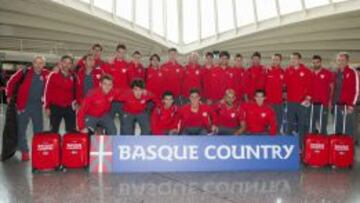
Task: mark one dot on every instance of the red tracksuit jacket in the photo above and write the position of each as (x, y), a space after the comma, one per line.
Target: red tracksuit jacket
(274, 85)
(59, 90)
(133, 105)
(206, 85)
(154, 81)
(238, 84)
(350, 87)
(260, 119)
(255, 79)
(98, 63)
(163, 120)
(96, 74)
(173, 74)
(201, 119)
(298, 83)
(228, 117)
(321, 87)
(192, 79)
(96, 104)
(23, 93)
(136, 71)
(119, 71)
(217, 82)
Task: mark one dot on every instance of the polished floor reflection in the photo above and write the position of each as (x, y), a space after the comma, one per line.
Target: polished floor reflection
(18, 184)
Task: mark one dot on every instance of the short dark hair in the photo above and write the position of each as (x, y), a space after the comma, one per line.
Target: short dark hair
(316, 57)
(225, 53)
(67, 57)
(155, 56)
(136, 53)
(297, 54)
(87, 56)
(209, 54)
(238, 55)
(167, 93)
(97, 45)
(106, 77)
(194, 91)
(120, 46)
(172, 49)
(256, 54)
(278, 55)
(261, 91)
(138, 83)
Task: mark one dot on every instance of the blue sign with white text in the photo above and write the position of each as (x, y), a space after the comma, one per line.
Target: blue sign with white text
(204, 153)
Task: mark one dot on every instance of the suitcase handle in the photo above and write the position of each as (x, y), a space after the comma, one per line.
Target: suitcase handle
(312, 116)
(344, 118)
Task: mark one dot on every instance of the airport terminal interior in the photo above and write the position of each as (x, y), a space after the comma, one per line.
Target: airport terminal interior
(53, 28)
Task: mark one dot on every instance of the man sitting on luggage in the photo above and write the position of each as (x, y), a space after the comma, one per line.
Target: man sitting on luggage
(260, 118)
(164, 118)
(229, 118)
(195, 117)
(136, 102)
(95, 109)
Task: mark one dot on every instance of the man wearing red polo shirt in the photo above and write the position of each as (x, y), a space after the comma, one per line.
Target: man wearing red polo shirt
(62, 96)
(165, 118)
(322, 93)
(95, 109)
(298, 82)
(89, 76)
(195, 118)
(154, 77)
(192, 77)
(229, 118)
(260, 118)
(274, 86)
(135, 102)
(136, 69)
(173, 73)
(255, 76)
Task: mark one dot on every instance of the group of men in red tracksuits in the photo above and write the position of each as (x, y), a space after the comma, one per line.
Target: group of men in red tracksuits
(171, 99)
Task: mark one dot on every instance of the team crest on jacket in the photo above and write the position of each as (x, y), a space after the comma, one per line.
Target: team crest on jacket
(111, 99)
(302, 74)
(347, 75)
(322, 76)
(233, 115)
(160, 74)
(98, 76)
(177, 70)
(143, 101)
(197, 72)
(263, 115)
(124, 70)
(204, 114)
(281, 76)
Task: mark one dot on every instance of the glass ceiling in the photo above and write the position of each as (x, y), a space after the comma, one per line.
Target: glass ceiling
(188, 21)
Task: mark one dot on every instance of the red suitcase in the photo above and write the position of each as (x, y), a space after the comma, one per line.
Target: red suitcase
(46, 151)
(75, 150)
(341, 147)
(316, 146)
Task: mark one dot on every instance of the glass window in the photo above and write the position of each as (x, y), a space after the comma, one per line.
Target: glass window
(207, 18)
(225, 15)
(190, 21)
(315, 3)
(158, 17)
(244, 12)
(104, 4)
(124, 9)
(289, 6)
(142, 13)
(265, 9)
(172, 21)
(85, 1)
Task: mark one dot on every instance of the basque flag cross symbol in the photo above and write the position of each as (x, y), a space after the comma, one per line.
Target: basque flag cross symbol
(101, 154)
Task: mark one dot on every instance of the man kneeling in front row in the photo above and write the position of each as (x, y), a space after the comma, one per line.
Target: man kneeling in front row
(95, 109)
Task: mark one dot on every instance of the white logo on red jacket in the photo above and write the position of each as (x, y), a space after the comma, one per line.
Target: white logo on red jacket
(160, 74)
(177, 70)
(124, 70)
(302, 74)
(322, 76)
(204, 114)
(98, 76)
(281, 76)
(263, 115)
(233, 115)
(143, 101)
(197, 72)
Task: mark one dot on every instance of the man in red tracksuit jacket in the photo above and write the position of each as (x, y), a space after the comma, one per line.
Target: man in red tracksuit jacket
(95, 109)
(135, 108)
(255, 76)
(346, 93)
(173, 73)
(62, 96)
(206, 84)
(260, 118)
(118, 69)
(322, 93)
(89, 76)
(154, 78)
(96, 51)
(298, 82)
(274, 86)
(192, 77)
(136, 69)
(29, 100)
(239, 81)
(195, 118)
(229, 117)
(165, 118)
